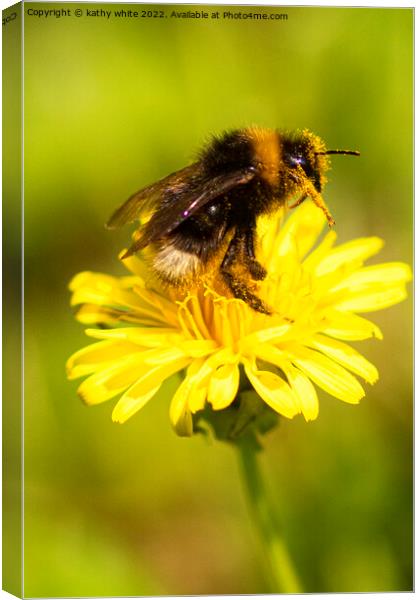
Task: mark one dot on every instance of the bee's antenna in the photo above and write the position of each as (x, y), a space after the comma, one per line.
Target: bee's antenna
(352, 152)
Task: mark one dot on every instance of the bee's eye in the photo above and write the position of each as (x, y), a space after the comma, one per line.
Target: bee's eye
(298, 160)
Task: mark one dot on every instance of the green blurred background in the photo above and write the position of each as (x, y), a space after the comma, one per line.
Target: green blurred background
(111, 105)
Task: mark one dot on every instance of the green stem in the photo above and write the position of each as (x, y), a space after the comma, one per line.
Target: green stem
(280, 568)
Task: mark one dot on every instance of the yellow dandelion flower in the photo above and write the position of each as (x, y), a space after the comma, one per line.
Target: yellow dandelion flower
(316, 293)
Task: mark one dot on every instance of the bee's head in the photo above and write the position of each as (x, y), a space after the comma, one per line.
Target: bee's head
(305, 150)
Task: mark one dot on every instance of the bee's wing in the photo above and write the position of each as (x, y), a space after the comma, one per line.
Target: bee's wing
(180, 204)
(146, 199)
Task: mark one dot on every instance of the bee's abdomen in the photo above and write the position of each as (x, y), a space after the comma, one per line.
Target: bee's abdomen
(173, 265)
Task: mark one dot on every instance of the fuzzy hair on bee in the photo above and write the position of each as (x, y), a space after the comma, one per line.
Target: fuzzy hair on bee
(208, 210)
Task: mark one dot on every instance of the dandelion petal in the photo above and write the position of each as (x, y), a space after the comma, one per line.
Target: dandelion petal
(304, 226)
(274, 391)
(355, 251)
(89, 359)
(328, 375)
(305, 392)
(347, 326)
(179, 413)
(384, 275)
(223, 386)
(133, 400)
(372, 300)
(111, 380)
(346, 356)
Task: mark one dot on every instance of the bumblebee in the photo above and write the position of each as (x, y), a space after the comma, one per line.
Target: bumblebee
(209, 209)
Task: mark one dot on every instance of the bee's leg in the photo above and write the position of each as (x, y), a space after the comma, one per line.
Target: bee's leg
(299, 201)
(240, 291)
(315, 196)
(256, 270)
(236, 285)
(318, 200)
